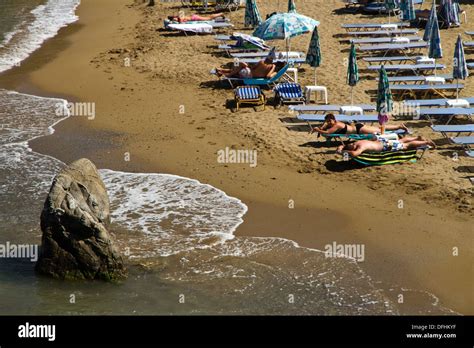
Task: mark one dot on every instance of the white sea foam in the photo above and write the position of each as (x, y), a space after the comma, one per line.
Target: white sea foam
(48, 19)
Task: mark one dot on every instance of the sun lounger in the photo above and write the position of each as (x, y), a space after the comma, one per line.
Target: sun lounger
(386, 40)
(391, 60)
(289, 92)
(458, 129)
(424, 89)
(327, 108)
(467, 142)
(470, 65)
(263, 54)
(393, 47)
(469, 44)
(279, 60)
(240, 49)
(249, 95)
(200, 28)
(390, 157)
(257, 81)
(471, 33)
(342, 118)
(383, 32)
(449, 113)
(403, 67)
(419, 78)
(374, 26)
(434, 102)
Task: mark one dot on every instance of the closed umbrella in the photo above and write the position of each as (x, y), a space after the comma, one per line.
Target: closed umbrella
(252, 14)
(460, 70)
(435, 50)
(384, 99)
(352, 71)
(291, 6)
(448, 13)
(408, 10)
(284, 26)
(429, 24)
(313, 57)
(390, 5)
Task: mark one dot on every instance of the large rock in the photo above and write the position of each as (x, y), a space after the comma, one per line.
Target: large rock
(76, 243)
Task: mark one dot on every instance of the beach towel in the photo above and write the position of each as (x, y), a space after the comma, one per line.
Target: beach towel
(388, 157)
(201, 28)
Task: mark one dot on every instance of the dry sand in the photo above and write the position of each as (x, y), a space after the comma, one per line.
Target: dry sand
(138, 113)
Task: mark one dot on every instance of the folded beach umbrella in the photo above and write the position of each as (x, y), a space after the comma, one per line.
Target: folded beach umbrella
(391, 5)
(435, 50)
(284, 26)
(448, 13)
(252, 14)
(408, 10)
(291, 6)
(429, 24)
(384, 98)
(352, 71)
(460, 70)
(313, 57)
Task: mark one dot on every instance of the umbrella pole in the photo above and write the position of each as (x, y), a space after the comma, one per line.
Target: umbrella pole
(315, 77)
(287, 50)
(352, 96)
(457, 89)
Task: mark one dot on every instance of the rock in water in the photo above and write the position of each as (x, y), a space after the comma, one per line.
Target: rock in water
(76, 243)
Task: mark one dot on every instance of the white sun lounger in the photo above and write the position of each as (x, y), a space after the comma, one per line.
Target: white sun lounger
(393, 47)
(471, 33)
(458, 129)
(386, 40)
(470, 65)
(403, 67)
(434, 102)
(419, 78)
(374, 26)
(391, 60)
(383, 32)
(469, 44)
(193, 28)
(342, 118)
(444, 112)
(327, 108)
(263, 54)
(414, 89)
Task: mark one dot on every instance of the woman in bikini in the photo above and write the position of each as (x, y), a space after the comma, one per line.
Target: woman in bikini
(332, 126)
(195, 18)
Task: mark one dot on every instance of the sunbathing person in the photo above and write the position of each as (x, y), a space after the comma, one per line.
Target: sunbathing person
(263, 69)
(332, 126)
(195, 18)
(381, 145)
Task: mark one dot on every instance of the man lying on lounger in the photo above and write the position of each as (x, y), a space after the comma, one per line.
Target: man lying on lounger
(332, 126)
(263, 69)
(383, 145)
(195, 18)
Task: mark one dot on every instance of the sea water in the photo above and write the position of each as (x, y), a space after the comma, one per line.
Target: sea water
(176, 233)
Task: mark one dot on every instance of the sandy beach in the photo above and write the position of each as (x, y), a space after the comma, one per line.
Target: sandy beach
(166, 114)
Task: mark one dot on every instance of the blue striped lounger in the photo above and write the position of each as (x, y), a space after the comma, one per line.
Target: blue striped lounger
(249, 95)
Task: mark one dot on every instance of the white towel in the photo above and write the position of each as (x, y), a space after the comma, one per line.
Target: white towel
(194, 28)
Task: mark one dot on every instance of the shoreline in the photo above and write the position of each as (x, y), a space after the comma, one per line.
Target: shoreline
(320, 215)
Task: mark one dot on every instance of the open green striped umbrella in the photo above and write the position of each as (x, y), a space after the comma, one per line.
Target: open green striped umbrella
(291, 6)
(408, 10)
(313, 57)
(252, 14)
(460, 70)
(352, 71)
(384, 98)
(429, 23)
